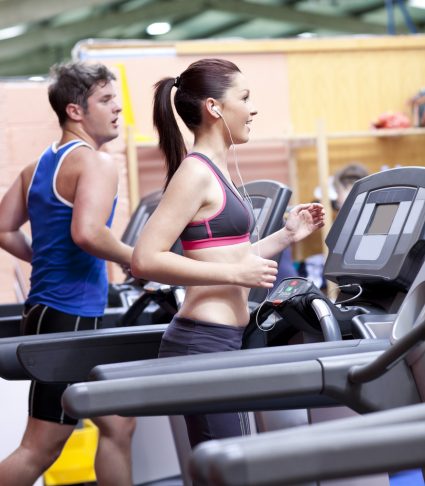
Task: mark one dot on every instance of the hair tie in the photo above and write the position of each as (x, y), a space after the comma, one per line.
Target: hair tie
(177, 82)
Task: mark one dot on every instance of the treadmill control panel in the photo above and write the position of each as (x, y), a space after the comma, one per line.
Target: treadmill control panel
(378, 235)
(379, 227)
(288, 288)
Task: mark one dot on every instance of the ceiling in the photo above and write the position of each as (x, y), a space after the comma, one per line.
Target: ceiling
(34, 34)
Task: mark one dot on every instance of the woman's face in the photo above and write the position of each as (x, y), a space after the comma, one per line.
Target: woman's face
(238, 110)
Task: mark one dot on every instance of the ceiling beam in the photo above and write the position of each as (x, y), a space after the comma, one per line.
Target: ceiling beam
(371, 6)
(14, 12)
(36, 62)
(215, 31)
(64, 34)
(338, 23)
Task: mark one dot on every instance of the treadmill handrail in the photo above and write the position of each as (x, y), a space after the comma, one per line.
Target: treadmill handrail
(328, 323)
(30, 357)
(337, 454)
(389, 358)
(279, 443)
(236, 359)
(151, 395)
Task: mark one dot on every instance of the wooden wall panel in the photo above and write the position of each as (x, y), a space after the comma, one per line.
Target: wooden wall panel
(349, 90)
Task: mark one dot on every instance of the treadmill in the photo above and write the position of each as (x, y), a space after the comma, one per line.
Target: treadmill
(387, 263)
(377, 240)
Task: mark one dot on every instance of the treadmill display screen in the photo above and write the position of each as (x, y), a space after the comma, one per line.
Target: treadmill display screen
(382, 219)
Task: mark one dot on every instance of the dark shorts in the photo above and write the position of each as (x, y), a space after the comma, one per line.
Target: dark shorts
(187, 336)
(44, 401)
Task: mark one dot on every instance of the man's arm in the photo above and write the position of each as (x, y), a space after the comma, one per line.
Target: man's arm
(13, 214)
(94, 197)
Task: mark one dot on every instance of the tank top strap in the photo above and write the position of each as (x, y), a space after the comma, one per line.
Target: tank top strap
(231, 186)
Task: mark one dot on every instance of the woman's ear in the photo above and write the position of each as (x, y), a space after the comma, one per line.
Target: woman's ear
(213, 108)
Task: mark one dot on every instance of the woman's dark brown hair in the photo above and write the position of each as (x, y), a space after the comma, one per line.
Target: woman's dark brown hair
(202, 79)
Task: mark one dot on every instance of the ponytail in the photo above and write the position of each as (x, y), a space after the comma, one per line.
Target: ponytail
(171, 140)
(202, 79)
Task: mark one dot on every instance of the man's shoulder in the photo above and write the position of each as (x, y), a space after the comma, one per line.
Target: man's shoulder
(27, 174)
(87, 156)
(92, 164)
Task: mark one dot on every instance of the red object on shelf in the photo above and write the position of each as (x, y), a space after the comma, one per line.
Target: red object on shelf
(392, 120)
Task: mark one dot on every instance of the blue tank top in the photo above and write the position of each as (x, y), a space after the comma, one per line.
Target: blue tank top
(63, 275)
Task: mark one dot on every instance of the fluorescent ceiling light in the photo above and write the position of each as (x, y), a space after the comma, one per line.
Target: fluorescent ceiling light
(14, 31)
(307, 35)
(158, 28)
(416, 3)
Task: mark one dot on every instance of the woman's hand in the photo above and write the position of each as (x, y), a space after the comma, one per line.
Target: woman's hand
(303, 220)
(254, 271)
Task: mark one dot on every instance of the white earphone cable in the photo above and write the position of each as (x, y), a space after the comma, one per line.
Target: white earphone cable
(257, 229)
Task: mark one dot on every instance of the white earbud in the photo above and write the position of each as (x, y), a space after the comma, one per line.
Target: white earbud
(214, 108)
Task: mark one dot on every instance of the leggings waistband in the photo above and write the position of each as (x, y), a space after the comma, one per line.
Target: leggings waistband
(188, 336)
(190, 323)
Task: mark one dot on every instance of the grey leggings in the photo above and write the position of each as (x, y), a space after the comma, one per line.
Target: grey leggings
(187, 336)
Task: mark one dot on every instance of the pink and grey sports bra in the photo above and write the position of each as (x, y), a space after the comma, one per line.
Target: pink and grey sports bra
(230, 225)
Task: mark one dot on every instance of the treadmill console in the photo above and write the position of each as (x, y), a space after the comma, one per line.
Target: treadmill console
(378, 236)
(289, 288)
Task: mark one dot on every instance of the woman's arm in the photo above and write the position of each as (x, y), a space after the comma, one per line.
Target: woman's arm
(190, 191)
(302, 221)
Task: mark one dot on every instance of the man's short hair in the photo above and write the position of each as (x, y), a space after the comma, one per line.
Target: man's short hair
(350, 174)
(74, 82)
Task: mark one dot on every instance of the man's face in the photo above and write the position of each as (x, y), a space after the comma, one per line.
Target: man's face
(100, 120)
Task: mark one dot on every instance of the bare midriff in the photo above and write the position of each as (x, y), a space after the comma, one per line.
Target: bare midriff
(221, 304)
